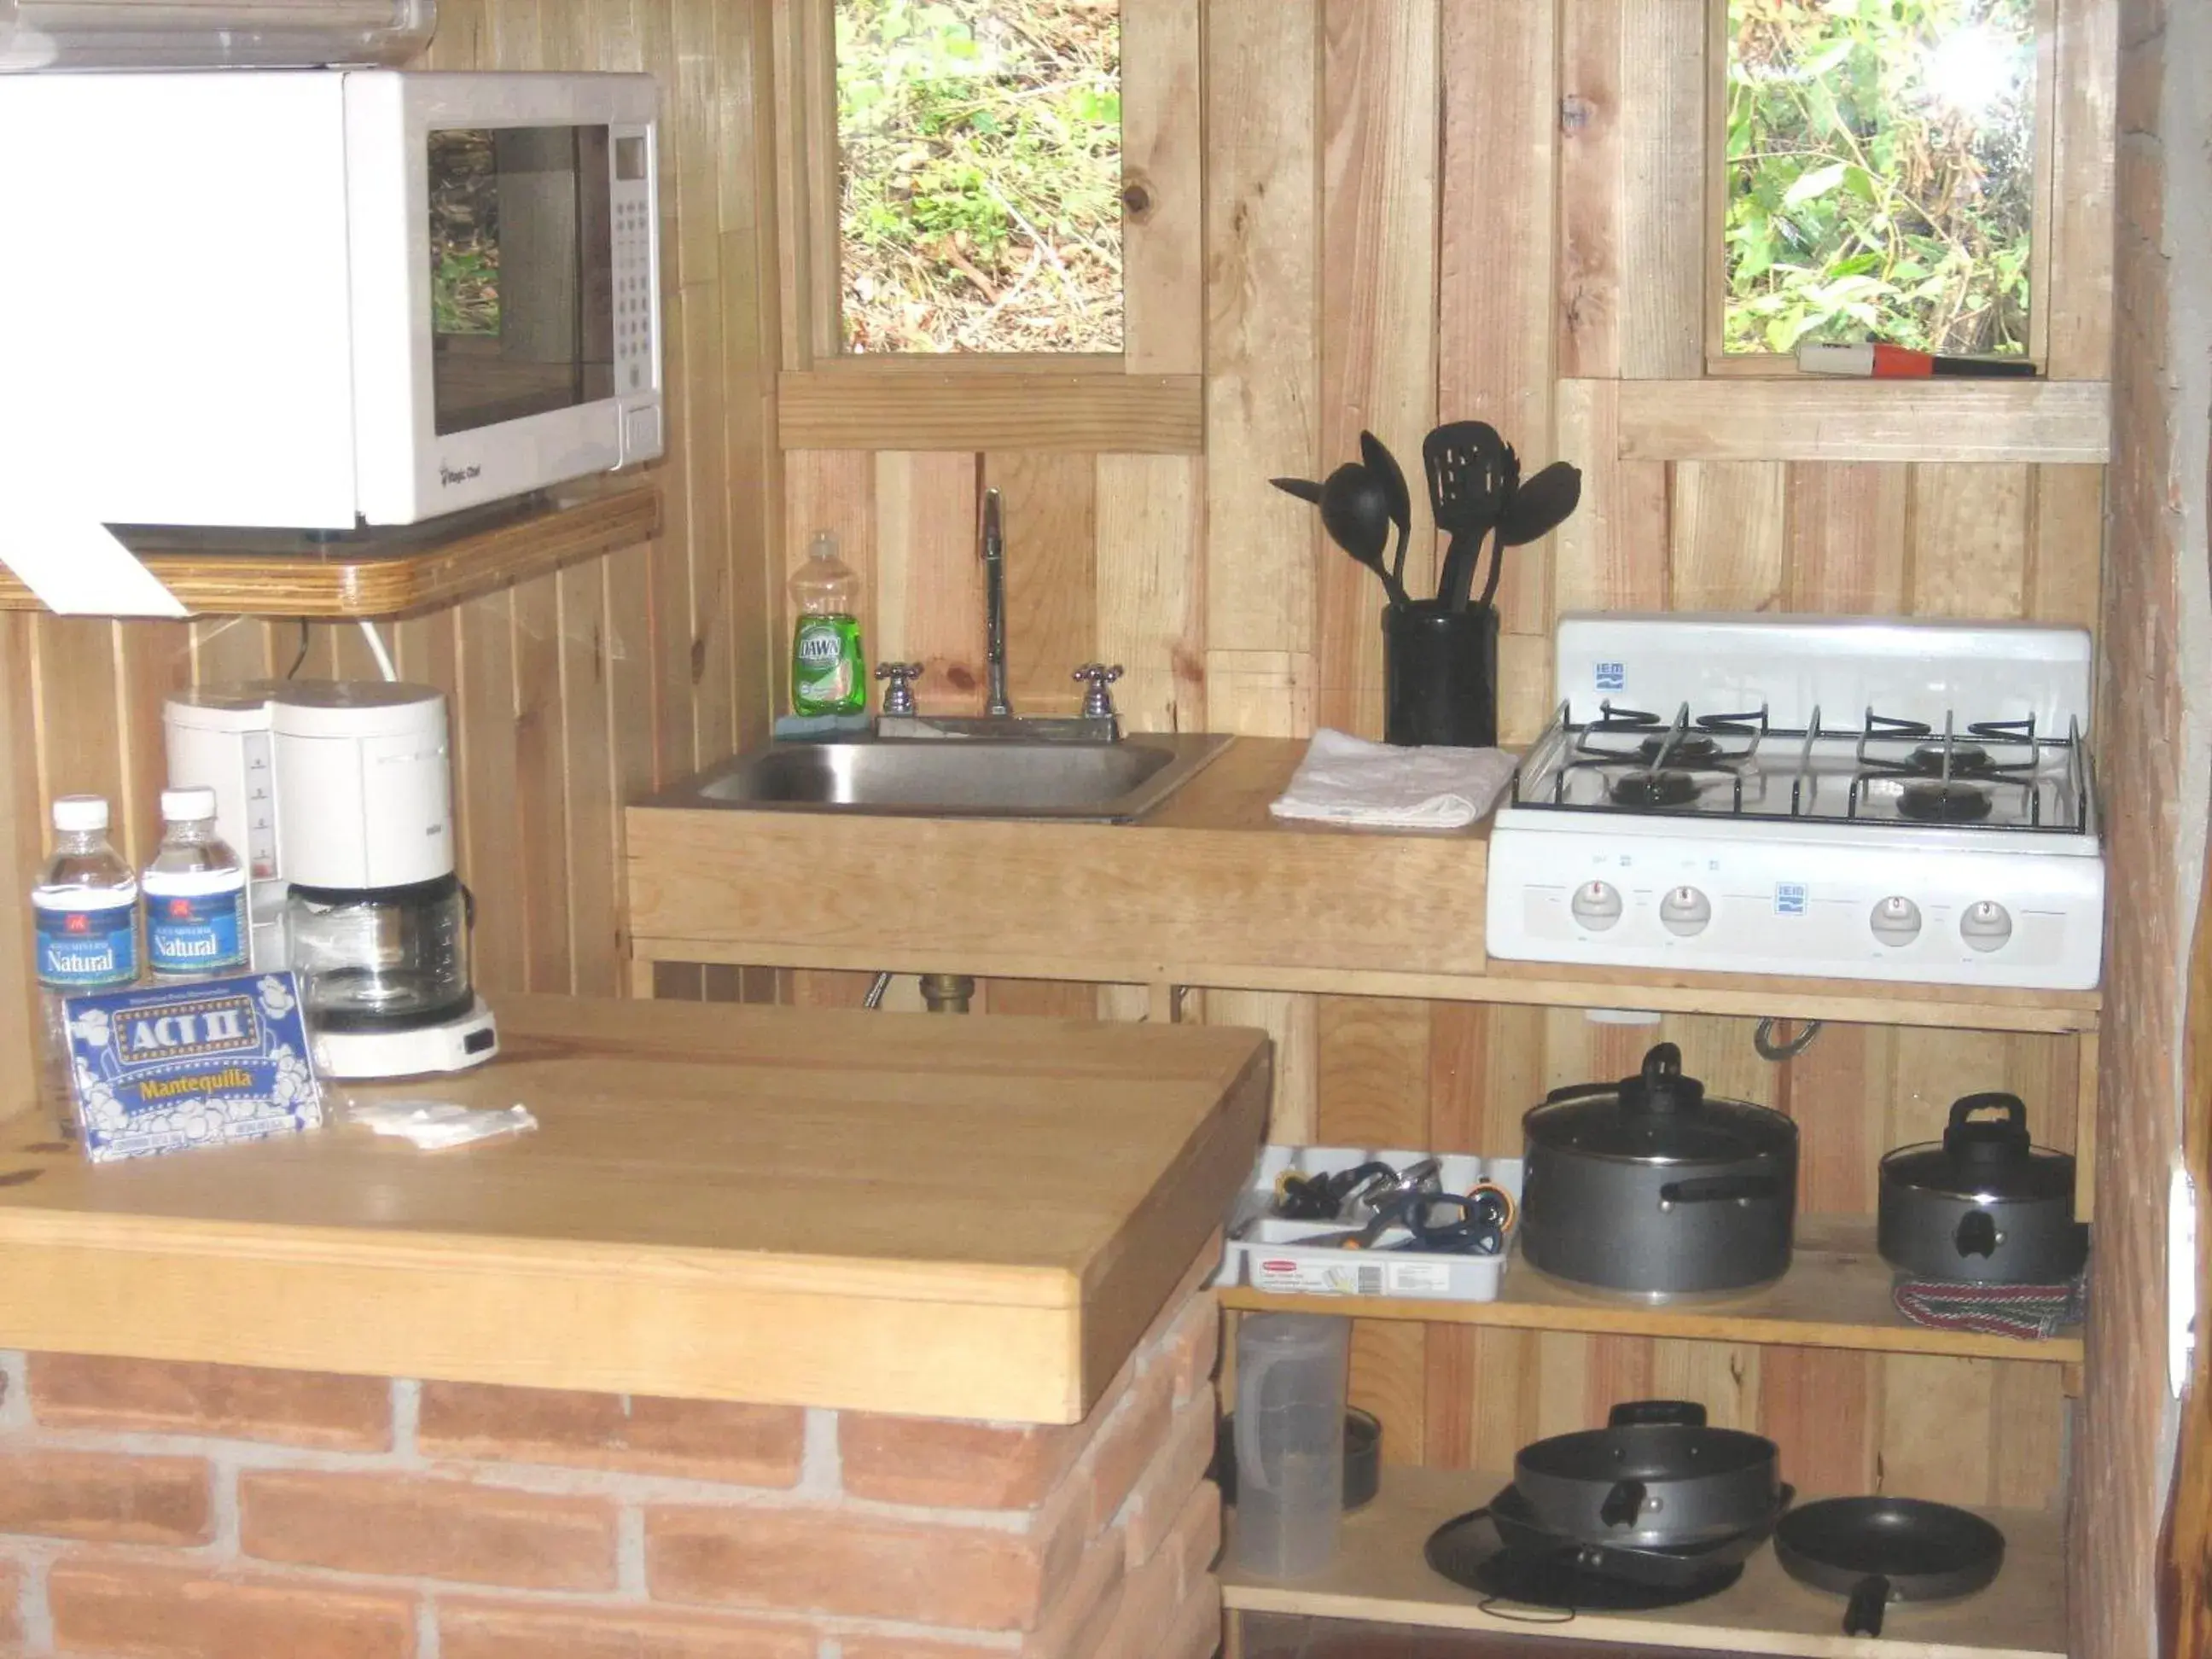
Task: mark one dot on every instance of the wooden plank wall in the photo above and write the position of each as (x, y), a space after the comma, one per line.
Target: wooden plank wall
(1417, 210)
(569, 694)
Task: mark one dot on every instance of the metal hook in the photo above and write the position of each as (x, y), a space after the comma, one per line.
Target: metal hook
(1763, 1040)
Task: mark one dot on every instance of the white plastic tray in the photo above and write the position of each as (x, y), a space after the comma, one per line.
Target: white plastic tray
(1263, 1260)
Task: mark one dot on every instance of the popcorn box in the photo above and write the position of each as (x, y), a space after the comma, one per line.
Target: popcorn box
(204, 1064)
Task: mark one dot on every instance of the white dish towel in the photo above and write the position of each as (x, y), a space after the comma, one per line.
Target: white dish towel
(1347, 780)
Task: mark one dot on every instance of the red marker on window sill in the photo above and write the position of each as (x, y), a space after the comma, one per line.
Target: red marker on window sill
(1894, 362)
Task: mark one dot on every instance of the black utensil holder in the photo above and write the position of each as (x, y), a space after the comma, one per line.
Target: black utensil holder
(1440, 675)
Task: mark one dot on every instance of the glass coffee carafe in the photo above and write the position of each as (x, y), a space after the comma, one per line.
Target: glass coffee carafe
(381, 959)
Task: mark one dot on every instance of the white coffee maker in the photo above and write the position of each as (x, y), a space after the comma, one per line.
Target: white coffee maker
(338, 794)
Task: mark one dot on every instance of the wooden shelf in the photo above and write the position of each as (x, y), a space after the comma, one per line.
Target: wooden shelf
(1811, 418)
(1379, 1575)
(262, 574)
(1836, 1295)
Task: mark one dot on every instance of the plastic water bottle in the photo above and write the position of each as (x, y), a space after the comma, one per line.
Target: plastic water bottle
(85, 914)
(195, 890)
(828, 672)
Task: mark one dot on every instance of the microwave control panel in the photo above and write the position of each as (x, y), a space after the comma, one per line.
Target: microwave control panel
(636, 311)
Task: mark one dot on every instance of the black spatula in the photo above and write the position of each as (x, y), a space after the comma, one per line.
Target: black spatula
(1472, 474)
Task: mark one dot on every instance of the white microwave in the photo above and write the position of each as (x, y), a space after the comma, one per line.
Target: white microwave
(321, 299)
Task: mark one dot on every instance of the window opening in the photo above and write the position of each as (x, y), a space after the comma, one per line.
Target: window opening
(980, 150)
(1880, 173)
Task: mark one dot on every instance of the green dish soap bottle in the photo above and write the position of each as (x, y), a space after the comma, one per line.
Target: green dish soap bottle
(828, 669)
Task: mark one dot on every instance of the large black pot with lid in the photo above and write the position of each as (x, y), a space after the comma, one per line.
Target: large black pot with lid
(1984, 1204)
(1651, 1185)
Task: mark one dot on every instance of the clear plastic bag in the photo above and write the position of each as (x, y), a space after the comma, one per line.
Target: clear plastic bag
(434, 1124)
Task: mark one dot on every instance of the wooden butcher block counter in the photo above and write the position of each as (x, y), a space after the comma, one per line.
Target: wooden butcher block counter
(934, 1215)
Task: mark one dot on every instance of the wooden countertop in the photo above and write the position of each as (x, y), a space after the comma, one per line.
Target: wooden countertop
(1209, 890)
(925, 1214)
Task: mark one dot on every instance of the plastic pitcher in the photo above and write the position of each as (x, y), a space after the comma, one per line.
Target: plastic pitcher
(1291, 1371)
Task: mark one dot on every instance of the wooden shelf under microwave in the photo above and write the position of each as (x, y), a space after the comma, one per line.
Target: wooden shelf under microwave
(256, 574)
(1836, 1295)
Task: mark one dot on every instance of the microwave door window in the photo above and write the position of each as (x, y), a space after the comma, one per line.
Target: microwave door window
(521, 279)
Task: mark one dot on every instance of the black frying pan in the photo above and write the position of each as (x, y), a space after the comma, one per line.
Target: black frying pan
(1880, 1550)
(1679, 1567)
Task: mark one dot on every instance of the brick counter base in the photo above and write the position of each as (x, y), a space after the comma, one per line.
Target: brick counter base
(155, 1510)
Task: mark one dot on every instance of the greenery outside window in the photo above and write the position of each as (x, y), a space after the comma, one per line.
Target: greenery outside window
(980, 176)
(1882, 173)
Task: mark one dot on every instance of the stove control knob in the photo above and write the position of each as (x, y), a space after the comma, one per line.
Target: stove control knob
(1685, 911)
(1597, 905)
(1897, 921)
(1985, 925)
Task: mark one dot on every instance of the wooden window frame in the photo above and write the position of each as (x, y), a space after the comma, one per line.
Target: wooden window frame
(1148, 398)
(2042, 265)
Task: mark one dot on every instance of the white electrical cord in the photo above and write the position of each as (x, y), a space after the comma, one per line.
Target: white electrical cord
(376, 649)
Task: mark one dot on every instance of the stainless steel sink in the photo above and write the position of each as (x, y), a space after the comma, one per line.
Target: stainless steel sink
(994, 778)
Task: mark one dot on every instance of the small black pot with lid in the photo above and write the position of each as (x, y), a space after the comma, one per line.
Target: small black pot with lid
(1651, 1185)
(1984, 1204)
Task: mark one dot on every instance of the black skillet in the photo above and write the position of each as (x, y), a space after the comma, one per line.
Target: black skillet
(1880, 1550)
(1677, 1567)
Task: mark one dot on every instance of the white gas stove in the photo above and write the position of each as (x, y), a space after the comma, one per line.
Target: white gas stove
(1855, 798)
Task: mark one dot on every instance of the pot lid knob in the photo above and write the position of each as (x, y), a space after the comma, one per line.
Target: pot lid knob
(1660, 1086)
(1982, 1142)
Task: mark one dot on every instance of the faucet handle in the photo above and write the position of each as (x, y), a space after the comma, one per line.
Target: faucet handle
(1097, 702)
(898, 697)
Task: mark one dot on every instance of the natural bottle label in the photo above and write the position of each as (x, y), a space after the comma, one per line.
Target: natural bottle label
(825, 667)
(195, 933)
(86, 940)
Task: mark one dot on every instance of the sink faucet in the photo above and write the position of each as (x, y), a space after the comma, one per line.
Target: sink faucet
(1097, 723)
(995, 607)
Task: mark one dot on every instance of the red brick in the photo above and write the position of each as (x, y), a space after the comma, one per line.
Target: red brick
(242, 1402)
(813, 1560)
(1194, 1540)
(1192, 1344)
(485, 1630)
(1128, 1444)
(107, 1498)
(1073, 1629)
(1195, 1631)
(1150, 1599)
(1158, 1501)
(702, 1439)
(955, 1465)
(408, 1524)
(1079, 1620)
(157, 1610)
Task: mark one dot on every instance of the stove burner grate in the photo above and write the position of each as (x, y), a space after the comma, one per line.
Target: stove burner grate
(1612, 720)
(1646, 787)
(1934, 801)
(1906, 772)
(1961, 759)
(1690, 749)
